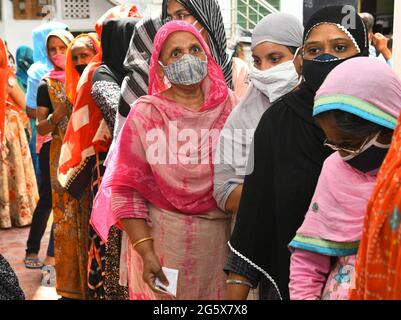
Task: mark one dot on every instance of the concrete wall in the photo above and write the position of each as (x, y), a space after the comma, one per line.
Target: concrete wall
(18, 32)
(295, 7)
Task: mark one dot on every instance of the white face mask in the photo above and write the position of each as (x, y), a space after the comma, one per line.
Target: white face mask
(277, 81)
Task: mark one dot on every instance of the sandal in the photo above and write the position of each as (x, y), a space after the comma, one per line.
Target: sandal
(33, 263)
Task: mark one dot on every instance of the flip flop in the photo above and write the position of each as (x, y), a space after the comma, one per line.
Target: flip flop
(33, 263)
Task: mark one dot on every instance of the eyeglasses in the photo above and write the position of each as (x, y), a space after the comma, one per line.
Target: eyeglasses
(352, 152)
(179, 16)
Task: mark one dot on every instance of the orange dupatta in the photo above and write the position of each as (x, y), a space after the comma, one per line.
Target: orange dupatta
(87, 133)
(378, 266)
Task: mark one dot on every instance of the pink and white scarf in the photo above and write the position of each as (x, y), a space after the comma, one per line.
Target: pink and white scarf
(174, 185)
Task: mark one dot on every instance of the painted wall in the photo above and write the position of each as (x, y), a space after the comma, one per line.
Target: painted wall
(19, 32)
(295, 7)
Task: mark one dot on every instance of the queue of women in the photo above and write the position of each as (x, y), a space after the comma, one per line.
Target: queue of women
(154, 152)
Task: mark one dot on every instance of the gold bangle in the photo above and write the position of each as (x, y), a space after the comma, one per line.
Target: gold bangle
(135, 244)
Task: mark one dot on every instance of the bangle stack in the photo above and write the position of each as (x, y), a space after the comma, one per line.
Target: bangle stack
(240, 283)
(135, 244)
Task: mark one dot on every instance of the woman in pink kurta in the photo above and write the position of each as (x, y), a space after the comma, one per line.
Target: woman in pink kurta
(358, 114)
(158, 185)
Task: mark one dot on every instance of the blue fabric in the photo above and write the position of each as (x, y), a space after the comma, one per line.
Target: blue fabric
(358, 112)
(42, 64)
(24, 61)
(332, 252)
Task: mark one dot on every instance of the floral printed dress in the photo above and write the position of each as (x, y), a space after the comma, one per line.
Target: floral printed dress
(341, 279)
(18, 187)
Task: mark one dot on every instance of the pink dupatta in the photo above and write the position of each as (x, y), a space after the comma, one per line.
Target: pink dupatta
(176, 186)
(333, 224)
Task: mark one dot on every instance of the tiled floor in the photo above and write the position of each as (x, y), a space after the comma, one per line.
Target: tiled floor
(12, 247)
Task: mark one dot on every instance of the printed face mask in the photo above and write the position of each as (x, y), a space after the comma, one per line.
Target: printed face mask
(59, 60)
(370, 158)
(187, 71)
(277, 81)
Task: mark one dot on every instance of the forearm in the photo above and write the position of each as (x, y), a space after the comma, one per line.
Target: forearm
(44, 127)
(31, 113)
(308, 276)
(387, 54)
(248, 276)
(237, 291)
(138, 229)
(233, 201)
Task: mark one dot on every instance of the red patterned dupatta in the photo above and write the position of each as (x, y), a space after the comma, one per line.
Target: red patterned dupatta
(87, 134)
(85, 120)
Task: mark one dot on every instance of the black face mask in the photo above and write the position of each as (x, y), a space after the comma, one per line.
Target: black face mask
(370, 159)
(80, 68)
(315, 71)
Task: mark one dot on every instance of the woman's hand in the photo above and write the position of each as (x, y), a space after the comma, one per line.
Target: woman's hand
(380, 42)
(152, 270)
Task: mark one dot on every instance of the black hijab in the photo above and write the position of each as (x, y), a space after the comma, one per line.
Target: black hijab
(288, 158)
(116, 38)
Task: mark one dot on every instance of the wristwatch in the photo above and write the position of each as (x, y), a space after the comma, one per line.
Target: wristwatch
(50, 120)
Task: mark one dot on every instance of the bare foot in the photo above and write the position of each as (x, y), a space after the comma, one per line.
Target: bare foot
(49, 261)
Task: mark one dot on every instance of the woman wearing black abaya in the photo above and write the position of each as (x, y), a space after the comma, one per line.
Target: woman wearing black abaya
(287, 158)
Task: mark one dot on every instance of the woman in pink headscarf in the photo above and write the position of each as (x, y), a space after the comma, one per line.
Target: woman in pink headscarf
(158, 185)
(358, 115)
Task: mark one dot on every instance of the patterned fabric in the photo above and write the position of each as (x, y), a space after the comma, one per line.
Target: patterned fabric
(104, 262)
(137, 61)
(9, 284)
(194, 245)
(69, 227)
(87, 133)
(18, 186)
(113, 289)
(72, 75)
(97, 248)
(340, 280)
(106, 95)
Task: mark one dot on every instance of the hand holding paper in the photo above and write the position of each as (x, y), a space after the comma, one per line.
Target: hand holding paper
(172, 277)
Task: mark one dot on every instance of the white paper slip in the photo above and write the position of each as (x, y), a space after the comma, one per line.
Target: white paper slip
(172, 277)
